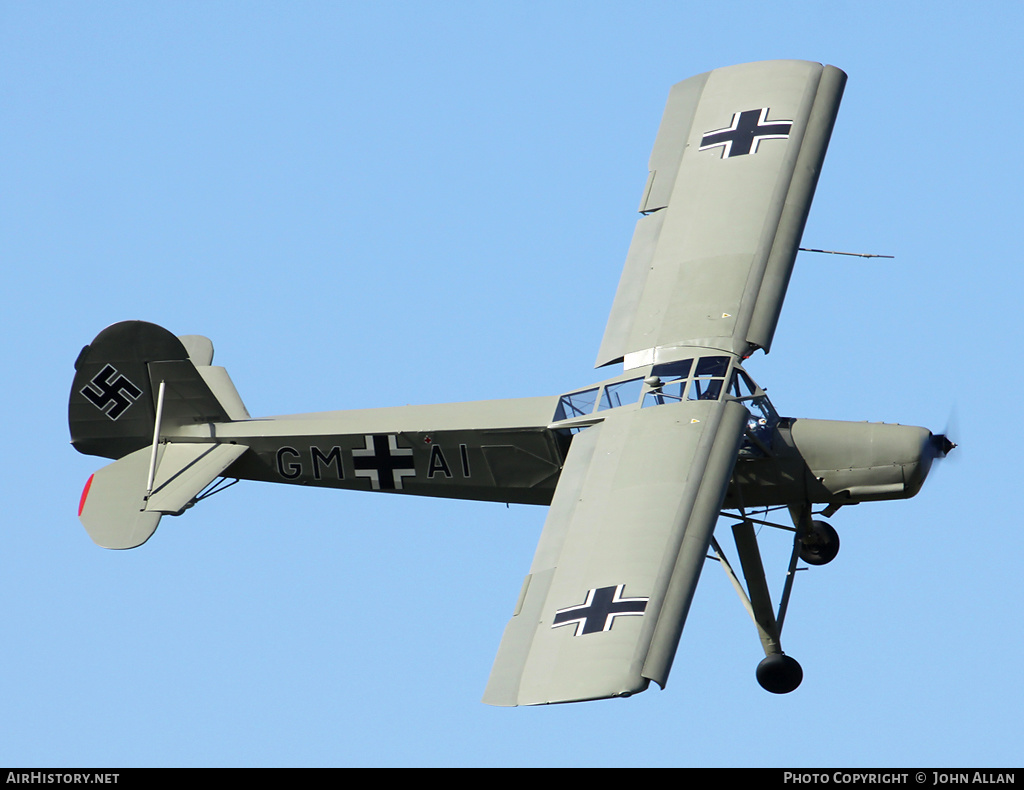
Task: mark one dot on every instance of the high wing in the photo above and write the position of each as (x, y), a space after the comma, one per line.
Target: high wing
(732, 175)
(730, 182)
(602, 609)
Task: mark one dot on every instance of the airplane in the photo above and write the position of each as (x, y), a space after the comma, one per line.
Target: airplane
(636, 469)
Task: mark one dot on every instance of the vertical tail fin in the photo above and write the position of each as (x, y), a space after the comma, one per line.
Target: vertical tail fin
(112, 407)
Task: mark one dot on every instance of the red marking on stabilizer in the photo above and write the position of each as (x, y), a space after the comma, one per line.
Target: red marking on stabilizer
(85, 493)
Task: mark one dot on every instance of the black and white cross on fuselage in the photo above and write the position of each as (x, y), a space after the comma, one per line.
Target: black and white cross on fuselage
(384, 462)
(599, 610)
(746, 132)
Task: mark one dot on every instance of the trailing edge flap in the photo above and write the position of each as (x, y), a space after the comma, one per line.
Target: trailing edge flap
(730, 183)
(601, 612)
(114, 508)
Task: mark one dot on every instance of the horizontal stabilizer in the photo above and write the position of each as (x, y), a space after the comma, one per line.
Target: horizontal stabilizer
(113, 504)
(186, 469)
(115, 509)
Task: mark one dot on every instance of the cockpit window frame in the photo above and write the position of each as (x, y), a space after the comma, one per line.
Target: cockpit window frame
(612, 394)
(577, 404)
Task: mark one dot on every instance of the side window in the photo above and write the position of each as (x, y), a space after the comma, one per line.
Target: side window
(576, 404)
(709, 378)
(673, 383)
(741, 386)
(620, 394)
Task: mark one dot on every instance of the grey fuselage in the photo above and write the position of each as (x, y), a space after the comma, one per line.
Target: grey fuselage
(513, 450)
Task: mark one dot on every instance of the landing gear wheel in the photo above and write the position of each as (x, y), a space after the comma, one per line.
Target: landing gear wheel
(779, 673)
(820, 545)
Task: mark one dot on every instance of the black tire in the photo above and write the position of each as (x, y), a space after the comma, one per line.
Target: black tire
(779, 674)
(821, 545)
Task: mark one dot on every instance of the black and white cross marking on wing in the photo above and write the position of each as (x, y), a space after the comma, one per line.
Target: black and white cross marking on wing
(384, 462)
(747, 130)
(599, 610)
(110, 392)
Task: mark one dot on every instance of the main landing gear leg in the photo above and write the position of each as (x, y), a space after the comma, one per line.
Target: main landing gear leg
(814, 542)
(777, 673)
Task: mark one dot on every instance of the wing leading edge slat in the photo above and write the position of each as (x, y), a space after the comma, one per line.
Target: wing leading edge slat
(732, 175)
(621, 552)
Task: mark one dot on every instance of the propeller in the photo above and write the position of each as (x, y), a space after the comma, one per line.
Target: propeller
(941, 445)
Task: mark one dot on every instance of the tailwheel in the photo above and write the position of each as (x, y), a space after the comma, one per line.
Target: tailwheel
(779, 674)
(820, 545)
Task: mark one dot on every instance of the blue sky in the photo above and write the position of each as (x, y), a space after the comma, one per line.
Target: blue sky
(427, 202)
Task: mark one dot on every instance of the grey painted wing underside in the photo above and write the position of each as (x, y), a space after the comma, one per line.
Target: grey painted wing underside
(724, 211)
(114, 507)
(628, 530)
